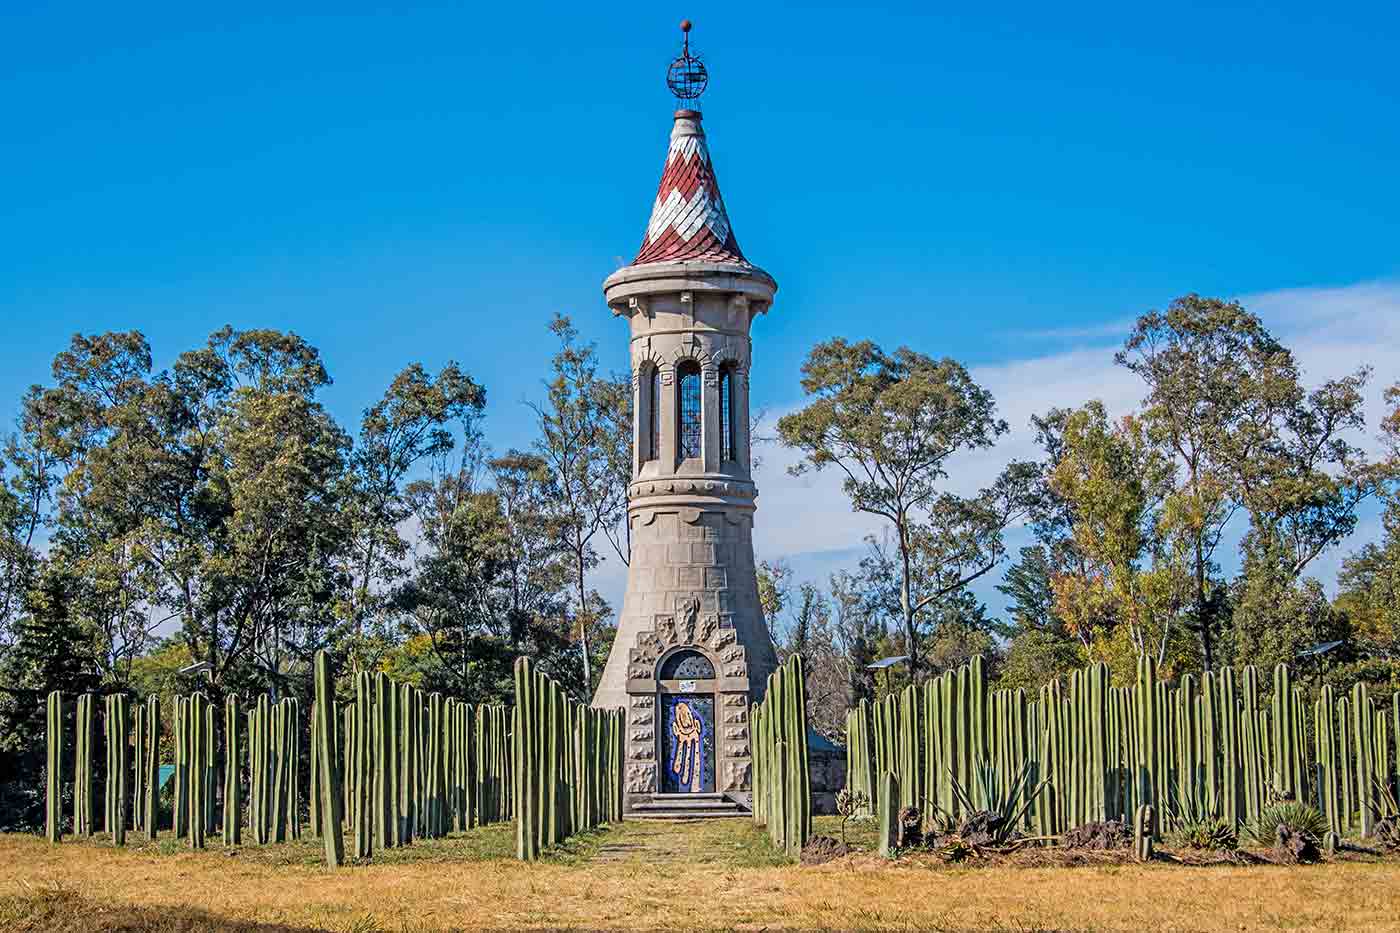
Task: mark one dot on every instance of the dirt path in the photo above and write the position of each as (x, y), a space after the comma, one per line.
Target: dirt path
(649, 842)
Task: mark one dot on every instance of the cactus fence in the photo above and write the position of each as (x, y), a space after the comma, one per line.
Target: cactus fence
(403, 766)
(1208, 744)
(782, 791)
(568, 763)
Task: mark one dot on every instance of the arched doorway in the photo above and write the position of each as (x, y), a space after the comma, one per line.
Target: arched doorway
(686, 696)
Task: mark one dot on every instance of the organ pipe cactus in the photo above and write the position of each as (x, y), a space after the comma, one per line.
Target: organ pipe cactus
(363, 815)
(82, 767)
(233, 806)
(53, 721)
(328, 781)
(195, 766)
(889, 813)
(1142, 833)
(150, 760)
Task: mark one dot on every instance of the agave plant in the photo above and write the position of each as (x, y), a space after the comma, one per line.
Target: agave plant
(1200, 824)
(997, 823)
(1386, 829)
(1210, 834)
(1291, 828)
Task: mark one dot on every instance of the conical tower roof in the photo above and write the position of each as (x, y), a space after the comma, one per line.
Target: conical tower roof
(688, 221)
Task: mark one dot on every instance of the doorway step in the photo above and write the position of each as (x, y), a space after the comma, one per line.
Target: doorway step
(683, 807)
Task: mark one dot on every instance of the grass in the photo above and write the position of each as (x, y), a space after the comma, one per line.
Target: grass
(716, 874)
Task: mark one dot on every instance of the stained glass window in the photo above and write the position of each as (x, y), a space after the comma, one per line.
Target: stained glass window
(688, 396)
(687, 665)
(654, 414)
(726, 413)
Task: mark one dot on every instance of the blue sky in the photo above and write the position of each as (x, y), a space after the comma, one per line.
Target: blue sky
(1005, 185)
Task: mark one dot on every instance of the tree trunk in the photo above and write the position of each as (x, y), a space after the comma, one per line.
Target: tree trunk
(583, 619)
(906, 606)
(1202, 623)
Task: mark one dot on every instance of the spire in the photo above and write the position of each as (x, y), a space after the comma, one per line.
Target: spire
(688, 221)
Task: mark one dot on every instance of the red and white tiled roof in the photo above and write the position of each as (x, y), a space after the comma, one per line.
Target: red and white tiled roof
(688, 221)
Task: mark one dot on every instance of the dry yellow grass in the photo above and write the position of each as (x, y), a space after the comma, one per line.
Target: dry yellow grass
(861, 892)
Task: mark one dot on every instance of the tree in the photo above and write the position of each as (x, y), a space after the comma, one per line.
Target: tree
(1028, 588)
(1369, 582)
(207, 491)
(889, 423)
(1225, 402)
(581, 423)
(1114, 482)
(536, 560)
(774, 589)
(408, 426)
(855, 634)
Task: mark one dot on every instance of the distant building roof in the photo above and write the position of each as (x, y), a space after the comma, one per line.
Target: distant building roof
(886, 662)
(1323, 648)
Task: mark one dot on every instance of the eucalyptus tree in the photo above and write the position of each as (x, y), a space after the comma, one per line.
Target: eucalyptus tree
(415, 422)
(207, 491)
(1225, 401)
(889, 422)
(584, 428)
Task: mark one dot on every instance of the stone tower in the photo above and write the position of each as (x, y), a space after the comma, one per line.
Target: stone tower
(692, 650)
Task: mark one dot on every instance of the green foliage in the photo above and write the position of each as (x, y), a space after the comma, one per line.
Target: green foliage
(1289, 817)
(889, 422)
(585, 441)
(1214, 835)
(1035, 657)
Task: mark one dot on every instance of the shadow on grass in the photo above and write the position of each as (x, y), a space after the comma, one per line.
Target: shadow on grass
(56, 910)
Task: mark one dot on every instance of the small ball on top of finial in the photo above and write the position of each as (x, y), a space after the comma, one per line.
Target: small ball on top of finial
(685, 25)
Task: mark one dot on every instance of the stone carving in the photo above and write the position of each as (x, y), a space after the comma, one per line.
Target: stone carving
(643, 702)
(690, 607)
(641, 778)
(642, 753)
(641, 718)
(707, 629)
(728, 488)
(735, 699)
(734, 775)
(734, 670)
(643, 735)
(736, 715)
(737, 733)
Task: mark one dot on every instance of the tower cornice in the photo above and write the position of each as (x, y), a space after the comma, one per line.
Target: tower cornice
(627, 289)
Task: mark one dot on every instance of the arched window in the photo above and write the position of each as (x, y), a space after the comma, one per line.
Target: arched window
(687, 665)
(688, 431)
(726, 414)
(653, 410)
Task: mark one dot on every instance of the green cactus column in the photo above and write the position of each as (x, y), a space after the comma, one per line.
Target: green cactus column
(233, 788)
(1325, 750)
(138, 771)
(82, 766)
(121, 764)
(198, 767)
(889, 813)
(53, 735)
(328, 781)
(364, 815)
(1142, 833)
(524, 777)
(1363, 748)
(151, 762)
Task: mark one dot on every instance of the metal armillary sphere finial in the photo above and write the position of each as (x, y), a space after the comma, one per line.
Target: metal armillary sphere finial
(687, 76)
